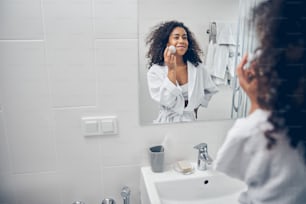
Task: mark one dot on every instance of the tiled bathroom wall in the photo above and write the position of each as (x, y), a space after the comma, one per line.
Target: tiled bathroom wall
(61, 60)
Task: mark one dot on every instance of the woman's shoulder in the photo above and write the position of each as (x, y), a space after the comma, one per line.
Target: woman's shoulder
(196, 68)
(157, 68)
(252, 124)
(198, 65)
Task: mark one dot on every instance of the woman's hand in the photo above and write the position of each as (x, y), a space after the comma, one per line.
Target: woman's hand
(248, 82)
(170, 59)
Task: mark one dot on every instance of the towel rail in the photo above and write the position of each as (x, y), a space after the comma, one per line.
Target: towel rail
(212, 31)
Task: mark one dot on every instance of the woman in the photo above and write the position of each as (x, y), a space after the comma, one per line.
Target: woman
(177, 81)
(267, 148)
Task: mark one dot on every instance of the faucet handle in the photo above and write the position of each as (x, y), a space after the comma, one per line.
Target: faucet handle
(125, 191)
(201, 147)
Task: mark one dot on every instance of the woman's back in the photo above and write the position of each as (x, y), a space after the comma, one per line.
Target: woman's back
(276, 176)
(267, 148)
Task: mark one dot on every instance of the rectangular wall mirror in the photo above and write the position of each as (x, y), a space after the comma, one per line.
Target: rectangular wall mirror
(203, 18)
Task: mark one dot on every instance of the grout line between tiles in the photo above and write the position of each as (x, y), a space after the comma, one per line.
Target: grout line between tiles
(72, 107)
(22, 40)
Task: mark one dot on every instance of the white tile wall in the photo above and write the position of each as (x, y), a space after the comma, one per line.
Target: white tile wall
(62, 60)
(70, 52)
(115, 19)
(75, 152)
(37, 188)
(4, 152)
(78, 163)
(115, 153)
(27, 106)
(1, 98)
(83, 186)
(116, 61)
(7, 188)
(21, 19)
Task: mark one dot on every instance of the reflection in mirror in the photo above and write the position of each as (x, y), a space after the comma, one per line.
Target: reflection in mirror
(247, 44)
(214, 26)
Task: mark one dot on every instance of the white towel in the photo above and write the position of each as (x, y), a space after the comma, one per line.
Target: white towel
(231, 61)
(220, 61)
(210, 57)
(221, 56)
(225, 33)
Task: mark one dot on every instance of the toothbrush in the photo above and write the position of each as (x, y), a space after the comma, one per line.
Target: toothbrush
(164, 142)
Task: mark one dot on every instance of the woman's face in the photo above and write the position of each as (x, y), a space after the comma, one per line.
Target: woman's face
(178, 38)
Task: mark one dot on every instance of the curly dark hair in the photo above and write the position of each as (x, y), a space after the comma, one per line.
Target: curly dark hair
(158, 39)
(281, 68)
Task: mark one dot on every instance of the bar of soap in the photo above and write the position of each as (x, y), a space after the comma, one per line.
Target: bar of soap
(184, 166)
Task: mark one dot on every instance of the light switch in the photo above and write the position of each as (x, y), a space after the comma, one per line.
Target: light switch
(90, 126)
(109, 125)
(100, 125)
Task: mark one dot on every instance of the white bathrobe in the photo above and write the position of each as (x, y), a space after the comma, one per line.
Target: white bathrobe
(276, 176)
(170, 97)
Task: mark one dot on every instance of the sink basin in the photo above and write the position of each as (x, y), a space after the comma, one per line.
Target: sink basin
(201, 187)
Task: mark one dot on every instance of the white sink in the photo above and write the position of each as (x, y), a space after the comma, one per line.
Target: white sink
(201, 187)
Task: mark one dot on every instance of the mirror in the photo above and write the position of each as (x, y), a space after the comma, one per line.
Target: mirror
(202, 17)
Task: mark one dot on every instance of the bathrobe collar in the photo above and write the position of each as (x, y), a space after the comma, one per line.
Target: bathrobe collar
(195, 87)
(191, 69)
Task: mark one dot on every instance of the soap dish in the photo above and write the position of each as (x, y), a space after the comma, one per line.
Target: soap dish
(177, 169)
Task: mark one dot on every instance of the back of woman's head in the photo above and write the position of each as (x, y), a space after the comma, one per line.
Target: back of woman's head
(281, 67)
(158, 39)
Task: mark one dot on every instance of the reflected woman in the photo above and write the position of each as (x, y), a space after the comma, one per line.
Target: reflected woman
(177, 79)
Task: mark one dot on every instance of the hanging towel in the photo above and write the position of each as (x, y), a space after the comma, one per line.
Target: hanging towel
(231, 61)
(210, 57)
(220, 61)
(225, 33)
(221, 56)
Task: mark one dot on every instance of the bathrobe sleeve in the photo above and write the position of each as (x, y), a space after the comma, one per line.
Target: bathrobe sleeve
(244, 149)
(163, 91)
(210, 87)
(231, 159)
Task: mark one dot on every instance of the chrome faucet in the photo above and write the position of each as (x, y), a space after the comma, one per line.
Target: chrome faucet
(125, 194)
(203, 158)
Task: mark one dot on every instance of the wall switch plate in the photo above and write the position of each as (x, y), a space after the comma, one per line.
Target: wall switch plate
(91, 126)
(101, 125)
(109, 125)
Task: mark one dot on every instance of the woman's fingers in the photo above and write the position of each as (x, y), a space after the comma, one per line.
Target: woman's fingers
(247, 79)
(166, 51)
(172, 58)
(166, 56)
(250, 74)
(245, 75)
(240, 69)
(169, 59)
